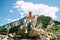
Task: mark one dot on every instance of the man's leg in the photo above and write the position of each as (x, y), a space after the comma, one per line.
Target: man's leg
(33, 25)
(26, 30)
(29, 25)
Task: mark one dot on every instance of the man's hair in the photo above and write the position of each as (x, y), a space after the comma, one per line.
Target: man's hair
(30, 11)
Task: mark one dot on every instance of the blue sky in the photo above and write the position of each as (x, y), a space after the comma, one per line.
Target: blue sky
(9, 13)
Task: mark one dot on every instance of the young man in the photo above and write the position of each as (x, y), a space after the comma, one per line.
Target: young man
(30, 21)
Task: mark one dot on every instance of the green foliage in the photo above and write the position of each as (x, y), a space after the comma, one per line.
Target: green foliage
(44, 20)
(2, 29)
(14, 29)
(56, 30)
(56, 22)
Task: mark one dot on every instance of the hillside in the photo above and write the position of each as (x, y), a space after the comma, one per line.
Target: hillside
(48, 21)
(43, 22)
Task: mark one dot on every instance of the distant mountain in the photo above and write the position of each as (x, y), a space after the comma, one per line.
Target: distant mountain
(15, 23)
(44, 20)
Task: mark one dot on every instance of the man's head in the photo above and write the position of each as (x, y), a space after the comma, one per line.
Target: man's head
(30, 13)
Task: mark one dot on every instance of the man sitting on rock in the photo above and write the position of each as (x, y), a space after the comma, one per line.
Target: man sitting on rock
(30, 21)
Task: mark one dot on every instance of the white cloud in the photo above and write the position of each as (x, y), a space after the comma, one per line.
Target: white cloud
(11, 11)
(37, 9)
